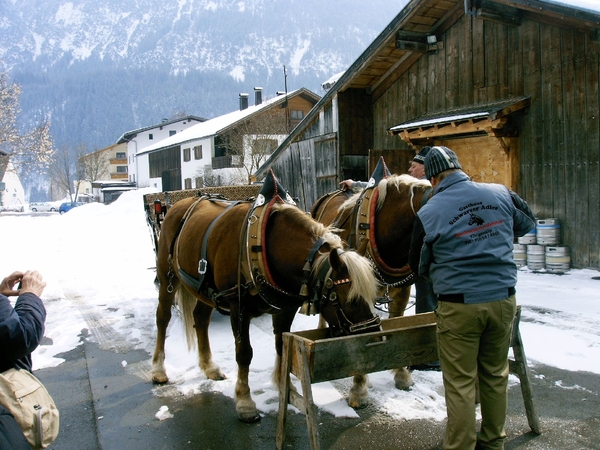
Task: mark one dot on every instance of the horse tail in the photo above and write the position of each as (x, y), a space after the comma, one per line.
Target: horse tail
(187, 302)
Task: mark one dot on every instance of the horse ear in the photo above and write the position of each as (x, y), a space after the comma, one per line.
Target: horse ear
(334, 260)
(363, 247)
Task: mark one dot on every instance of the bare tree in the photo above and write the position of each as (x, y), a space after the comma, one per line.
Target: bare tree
(30, 152)
(94, 166)
(253, 141)
(66, 171)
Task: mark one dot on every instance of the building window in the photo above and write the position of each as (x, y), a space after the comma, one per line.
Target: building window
(297, 115)
(198, 152)
(172, 132)
(188, 183)
(199, 182)
(121, 169)
(150, 136)
(121, 155)
(186, 154)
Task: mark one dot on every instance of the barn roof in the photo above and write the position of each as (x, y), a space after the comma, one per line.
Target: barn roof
(411, 34)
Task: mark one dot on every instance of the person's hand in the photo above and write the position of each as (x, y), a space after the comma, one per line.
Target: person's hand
(346, 184)
(31, 281)
(7, 287)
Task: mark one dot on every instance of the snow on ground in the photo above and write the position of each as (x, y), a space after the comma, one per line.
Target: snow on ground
(98, 263)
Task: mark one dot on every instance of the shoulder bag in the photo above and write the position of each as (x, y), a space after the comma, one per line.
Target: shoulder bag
(31, 405)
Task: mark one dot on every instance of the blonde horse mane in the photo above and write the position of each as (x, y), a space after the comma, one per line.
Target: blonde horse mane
(364, 284)
(360, 269)
(399, 181)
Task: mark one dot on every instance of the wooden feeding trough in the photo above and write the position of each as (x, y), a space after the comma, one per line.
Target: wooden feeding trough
(403, 341)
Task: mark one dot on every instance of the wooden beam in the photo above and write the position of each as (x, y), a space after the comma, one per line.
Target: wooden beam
(441, 26)
(494, 12)
(487, 126)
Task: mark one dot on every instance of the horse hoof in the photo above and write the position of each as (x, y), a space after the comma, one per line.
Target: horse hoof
(160, 379)
(403, 379)
(358, 404)
(403, 385)
(215, 375)
(249, 417)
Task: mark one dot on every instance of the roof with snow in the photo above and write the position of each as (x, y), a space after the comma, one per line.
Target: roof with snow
(219, 124)
(128, 135)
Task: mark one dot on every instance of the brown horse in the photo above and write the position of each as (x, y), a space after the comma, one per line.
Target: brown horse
(383, 215)
(251, 258)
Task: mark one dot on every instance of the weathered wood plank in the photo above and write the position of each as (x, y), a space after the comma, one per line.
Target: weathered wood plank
(593, 155)
(576, 173)
(532, 133)
(564, 155)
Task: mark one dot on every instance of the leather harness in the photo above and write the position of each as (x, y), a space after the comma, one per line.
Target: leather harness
(363, 219)
(254, 276)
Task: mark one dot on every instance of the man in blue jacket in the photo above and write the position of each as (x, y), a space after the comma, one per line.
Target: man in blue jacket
(21, 330)
(463, 242)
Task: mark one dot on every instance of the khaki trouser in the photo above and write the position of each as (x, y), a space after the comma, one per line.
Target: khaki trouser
(473, 342)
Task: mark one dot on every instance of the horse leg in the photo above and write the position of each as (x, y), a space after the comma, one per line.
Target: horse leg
(282, 323)
(163, 317)
(359, 394)
(202, 316)
(402, 377)
(240, 325)
(398, 305)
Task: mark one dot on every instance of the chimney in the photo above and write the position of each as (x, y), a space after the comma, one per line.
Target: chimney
(257, 95)
(243, 101)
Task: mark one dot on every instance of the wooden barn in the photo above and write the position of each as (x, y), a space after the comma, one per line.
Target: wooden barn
(510, 85)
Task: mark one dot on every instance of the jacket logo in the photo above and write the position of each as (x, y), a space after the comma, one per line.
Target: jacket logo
(475, 219)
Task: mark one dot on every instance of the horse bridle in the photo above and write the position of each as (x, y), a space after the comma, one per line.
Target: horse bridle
(324, 290)
(315, 293)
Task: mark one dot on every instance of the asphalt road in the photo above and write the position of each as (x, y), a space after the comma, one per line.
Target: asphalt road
(106, 405)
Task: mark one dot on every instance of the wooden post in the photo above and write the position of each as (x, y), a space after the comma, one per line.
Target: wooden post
(519, 367)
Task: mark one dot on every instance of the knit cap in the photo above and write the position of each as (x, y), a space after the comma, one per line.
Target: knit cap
(420, 157)
(438, 159)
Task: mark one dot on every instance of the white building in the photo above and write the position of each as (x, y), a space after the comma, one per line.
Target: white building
(13, 194)
(141, 138)
(199, 156)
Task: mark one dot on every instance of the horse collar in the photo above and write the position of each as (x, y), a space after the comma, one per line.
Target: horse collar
(365, 229)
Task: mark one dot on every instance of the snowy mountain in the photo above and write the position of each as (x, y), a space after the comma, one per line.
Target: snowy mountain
(102, 68)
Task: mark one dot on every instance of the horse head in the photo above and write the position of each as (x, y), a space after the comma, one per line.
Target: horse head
(348, 292)
(398, 199)
(340, 285)
(475, 219)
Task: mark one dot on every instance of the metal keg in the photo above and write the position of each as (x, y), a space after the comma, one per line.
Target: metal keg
(529, 238)
(520, 254)
(535, 257)
(558, 259)
(548, 231)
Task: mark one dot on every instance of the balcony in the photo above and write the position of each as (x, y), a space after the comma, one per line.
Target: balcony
(228, 161)
(118, 161)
